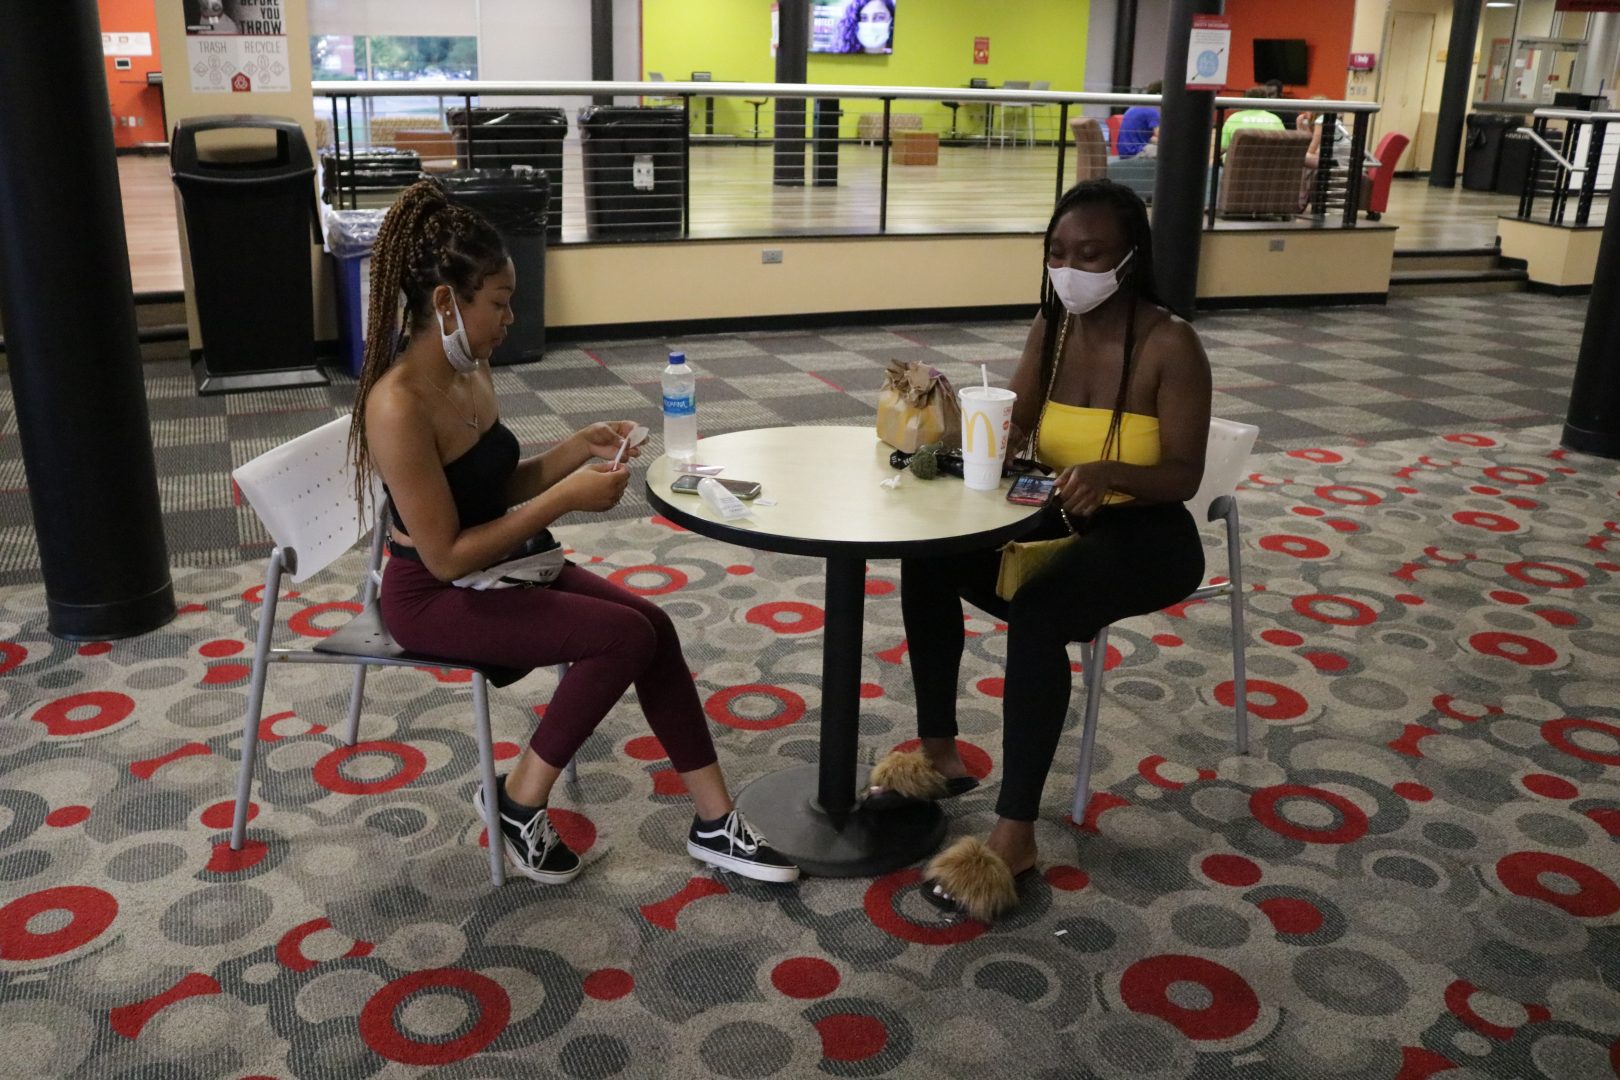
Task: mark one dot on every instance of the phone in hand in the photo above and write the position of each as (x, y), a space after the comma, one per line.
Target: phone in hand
(743, 489)
(1031, 490)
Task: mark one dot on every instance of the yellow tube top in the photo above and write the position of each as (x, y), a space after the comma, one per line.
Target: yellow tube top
(1073, 435)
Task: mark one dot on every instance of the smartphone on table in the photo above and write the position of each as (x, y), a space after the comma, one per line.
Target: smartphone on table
(1031, 490)
(743, 489)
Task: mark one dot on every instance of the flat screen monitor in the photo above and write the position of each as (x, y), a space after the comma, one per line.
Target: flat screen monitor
(852, 27)
(1284, 60)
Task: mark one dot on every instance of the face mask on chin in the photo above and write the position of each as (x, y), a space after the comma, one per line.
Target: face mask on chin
(1083, 291)
(457, 349)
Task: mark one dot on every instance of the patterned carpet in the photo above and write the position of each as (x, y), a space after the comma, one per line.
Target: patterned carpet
(1305, 377)
(1415, 874)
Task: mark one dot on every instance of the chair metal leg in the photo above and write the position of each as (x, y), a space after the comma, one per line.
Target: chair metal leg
(255, 709)
(486, 777)
(1234, 572)
(357, 696)
(1088, 731)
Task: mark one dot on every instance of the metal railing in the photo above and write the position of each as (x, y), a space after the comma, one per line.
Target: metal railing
(770, 159)
(1573, 154)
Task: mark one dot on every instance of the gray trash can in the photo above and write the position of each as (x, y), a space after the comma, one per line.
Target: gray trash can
(635, 171)
(250, 226)
(507, 138)
(517, 206)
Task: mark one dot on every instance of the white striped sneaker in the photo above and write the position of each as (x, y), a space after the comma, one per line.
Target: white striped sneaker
(532, 847)
(733, 844)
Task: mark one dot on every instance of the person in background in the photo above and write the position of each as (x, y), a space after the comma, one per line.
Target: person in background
(867, 26)
(1139, 127)
(1257, 118)
(1114, 391)
(426, 422)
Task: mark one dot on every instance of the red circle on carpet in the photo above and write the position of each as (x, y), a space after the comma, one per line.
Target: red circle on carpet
(221, 648)
(91, 911)
(303, 622)
(110, 708)
(1515, 647)
(1595, 895)
(221, 814)
(609, 984)
(645, 748)
(805, 977)
(1290, 915)
(12, 654)
(1557, 732)
(379, 1031)
(787, 617)
(329, 774)
(1551, 787)
(1233, 1006)
(1232, 870)
(1411, 792)
(66, 816)
(674, 580)
(1286, 639)
(1352, 826)
(879, 905)
(974, 757)
(1285, 703)
(1547, 575)
(851, 1036)
(1348, 496)
(1481, 519)
(1351, 613)
(1300, 547)
(718, 707)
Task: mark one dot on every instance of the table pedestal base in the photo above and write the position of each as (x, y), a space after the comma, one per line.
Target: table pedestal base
(783, 806)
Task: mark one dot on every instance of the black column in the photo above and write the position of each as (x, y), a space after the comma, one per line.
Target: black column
(1593, 423)
(1124, 45)
(1454, 93)
(793, 67)
(69, 311)
(602, 46)
(1179, 183)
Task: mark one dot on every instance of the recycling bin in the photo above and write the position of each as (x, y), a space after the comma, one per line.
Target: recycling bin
(635, 171)
(522, 138)
(516, 204)
(350, 235)
(248, 199)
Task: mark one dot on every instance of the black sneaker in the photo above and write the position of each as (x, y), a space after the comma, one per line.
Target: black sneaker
(533, 847)
(730, 843)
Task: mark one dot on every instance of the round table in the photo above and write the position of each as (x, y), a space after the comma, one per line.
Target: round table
(824, 484)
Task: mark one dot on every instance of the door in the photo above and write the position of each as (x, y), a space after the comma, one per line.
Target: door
(1406, 67)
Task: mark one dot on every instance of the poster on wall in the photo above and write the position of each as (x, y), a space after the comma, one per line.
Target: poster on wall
(1208, 52)
(981, 50)
(236, 46)
(126, 44)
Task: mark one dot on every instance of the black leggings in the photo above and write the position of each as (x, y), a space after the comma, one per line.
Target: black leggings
(1131, 560)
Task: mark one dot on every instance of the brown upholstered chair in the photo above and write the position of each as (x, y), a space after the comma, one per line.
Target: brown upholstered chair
(1263, 173)
(1090, 149)
(437, 149)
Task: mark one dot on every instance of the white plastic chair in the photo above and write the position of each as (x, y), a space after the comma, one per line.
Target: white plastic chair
(1225, 459)
(303, 491)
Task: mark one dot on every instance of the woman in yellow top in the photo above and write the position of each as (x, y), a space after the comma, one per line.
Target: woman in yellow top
(1115, 391)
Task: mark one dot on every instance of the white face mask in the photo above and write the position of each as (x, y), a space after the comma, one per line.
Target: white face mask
(873, 35)
(457, 349)
(1081, 291)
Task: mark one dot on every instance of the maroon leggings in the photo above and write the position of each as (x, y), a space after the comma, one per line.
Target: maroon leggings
(609, 636)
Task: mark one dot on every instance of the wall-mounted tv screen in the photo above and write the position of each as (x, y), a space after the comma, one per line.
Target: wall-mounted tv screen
(859, 27)
(1283, 60)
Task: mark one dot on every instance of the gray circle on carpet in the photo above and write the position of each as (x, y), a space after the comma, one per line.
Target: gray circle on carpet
(1351, 982)
(745, 1049)
(1209, 927)
(594, 1057)
(147, 862)
(215, 915)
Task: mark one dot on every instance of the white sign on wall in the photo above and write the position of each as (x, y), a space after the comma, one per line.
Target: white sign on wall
(1208, 52)
(236, 46)
(126, 44)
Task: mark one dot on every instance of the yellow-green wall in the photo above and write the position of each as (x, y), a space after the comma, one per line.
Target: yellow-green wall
(933, 46)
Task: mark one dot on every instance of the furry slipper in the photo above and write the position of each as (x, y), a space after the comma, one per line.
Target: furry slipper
(968, 878)
(903, 779)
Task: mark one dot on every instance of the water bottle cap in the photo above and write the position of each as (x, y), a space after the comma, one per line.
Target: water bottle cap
(677, 358)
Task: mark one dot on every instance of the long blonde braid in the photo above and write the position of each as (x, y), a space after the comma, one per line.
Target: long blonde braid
(424, 242)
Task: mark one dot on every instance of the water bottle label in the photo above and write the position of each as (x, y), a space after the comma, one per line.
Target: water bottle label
(680, 405)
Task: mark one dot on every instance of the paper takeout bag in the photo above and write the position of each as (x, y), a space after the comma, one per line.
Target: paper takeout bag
(918, 406)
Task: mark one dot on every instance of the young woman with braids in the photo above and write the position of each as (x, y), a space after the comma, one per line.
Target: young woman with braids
(1118, 389)
(425, 419)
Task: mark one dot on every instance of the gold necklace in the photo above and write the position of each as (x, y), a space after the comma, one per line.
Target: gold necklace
(473, 423)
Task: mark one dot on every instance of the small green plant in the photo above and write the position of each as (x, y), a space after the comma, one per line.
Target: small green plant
(924, 464)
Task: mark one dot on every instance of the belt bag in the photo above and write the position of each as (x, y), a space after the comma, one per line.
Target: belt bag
(538, 562)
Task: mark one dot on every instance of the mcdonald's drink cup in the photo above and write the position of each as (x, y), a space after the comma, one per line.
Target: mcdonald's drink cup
(986, 427)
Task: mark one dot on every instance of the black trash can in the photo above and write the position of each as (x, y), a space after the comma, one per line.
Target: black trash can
(1482, 161)
(373, 179)
(251, 229)
(635, 171)
(503, 138)
(516, 205)
(824, 143)
(1519, 155)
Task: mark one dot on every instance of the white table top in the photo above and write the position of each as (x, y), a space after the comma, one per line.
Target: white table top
(825, 483)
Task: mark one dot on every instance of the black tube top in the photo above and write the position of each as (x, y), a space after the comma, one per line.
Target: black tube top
(478, 478)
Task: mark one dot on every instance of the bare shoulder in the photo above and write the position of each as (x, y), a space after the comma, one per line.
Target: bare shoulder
(395, 405)
(1175, 349)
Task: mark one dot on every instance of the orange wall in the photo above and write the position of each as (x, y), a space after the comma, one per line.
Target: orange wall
(137, 109)
(1325, 24)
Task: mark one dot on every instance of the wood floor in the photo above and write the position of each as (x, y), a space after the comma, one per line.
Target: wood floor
(971, 189)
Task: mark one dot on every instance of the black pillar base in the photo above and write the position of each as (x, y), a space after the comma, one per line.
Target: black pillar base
(110, 620)
(1605, 444)
(209, 383)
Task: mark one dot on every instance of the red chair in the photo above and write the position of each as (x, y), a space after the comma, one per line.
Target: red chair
(1113, 133)
(1390, 149)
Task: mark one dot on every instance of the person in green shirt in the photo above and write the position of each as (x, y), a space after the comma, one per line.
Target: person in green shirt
(1261, 119)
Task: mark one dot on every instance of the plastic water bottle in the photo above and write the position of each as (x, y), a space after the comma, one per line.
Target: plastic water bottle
(680, 409)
